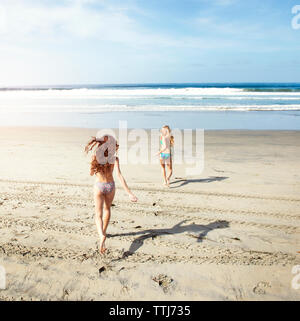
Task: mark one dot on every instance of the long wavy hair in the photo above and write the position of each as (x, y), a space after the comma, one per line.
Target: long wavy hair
(171, 136)
(93, 145)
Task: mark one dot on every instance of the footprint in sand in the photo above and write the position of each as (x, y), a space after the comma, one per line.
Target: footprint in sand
(261, 287)
(163, 281)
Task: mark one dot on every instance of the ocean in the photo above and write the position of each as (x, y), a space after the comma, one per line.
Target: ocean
(209, 106)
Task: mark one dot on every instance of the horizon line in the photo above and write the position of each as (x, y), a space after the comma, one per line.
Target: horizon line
(146, 83)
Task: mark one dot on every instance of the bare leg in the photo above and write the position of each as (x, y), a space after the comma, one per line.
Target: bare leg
(106, 218)
(170, 168)
(108, 199)
(99, 201)
(163, 167)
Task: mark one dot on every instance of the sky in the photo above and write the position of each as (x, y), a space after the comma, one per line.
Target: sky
(47, 42)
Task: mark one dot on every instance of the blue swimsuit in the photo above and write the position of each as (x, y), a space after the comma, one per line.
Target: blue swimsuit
(164, 156)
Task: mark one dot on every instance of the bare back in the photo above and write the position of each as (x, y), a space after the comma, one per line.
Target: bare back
(105, 174)
(165, 143)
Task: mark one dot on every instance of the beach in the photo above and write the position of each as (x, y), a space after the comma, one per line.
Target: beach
(229, 233)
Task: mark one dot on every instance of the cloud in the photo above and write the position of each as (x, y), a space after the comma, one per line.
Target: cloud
(225, 2)
(222, 3)
(80, 19)
(100, 21)
(218, 26)
(73, 18)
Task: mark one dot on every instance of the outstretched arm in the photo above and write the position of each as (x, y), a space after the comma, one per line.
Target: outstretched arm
(132, 197)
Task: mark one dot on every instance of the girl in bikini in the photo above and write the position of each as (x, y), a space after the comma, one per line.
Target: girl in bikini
(102, 165)
(166, 142)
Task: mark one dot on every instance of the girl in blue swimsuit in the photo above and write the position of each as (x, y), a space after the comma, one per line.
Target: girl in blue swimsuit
(166, 142)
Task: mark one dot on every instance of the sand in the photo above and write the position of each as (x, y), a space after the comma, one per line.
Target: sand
(229, 233)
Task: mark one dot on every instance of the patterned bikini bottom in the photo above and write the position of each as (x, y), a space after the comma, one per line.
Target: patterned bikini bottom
(105, 188)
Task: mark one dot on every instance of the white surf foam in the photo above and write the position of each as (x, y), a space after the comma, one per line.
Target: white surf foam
(156, 108)
(85, 93)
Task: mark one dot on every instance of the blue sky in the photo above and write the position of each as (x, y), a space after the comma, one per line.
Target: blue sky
(147, 41)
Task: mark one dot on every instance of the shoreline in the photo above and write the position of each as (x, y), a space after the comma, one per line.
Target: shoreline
(146, 129)
(208, 120)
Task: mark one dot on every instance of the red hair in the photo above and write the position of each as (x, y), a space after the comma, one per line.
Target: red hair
(93, 145)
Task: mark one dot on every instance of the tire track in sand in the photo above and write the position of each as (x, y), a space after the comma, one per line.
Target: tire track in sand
(146, 209)
(82, 202)
(115, 255)
(160, 190)
(236, 254)
(137, 236)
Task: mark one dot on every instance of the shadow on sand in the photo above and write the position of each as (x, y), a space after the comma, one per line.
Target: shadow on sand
(176, 229)
(200, 180)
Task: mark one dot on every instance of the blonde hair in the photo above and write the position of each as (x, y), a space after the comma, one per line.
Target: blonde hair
(171, 136)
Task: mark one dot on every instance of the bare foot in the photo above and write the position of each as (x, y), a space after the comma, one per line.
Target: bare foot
(102, 244)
